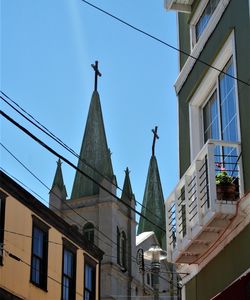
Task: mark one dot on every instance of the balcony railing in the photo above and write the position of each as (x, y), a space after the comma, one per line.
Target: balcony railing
(196, 211)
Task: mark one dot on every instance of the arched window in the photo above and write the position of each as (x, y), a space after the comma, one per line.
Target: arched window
(89, 232)
(123, 250)
(118, 240)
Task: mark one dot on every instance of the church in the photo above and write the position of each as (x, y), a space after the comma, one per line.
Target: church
(108, 221)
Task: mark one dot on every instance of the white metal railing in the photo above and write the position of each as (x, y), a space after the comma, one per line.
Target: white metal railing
(194, 200)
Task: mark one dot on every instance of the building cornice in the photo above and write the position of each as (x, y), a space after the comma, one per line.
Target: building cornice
(15, 190)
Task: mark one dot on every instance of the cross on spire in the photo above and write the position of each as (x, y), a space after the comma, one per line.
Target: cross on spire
(97, 73)
(155, 137)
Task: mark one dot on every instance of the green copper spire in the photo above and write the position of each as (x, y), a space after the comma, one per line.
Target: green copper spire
(94, 152)
(127, 193)
(58, 179)
(153, 204)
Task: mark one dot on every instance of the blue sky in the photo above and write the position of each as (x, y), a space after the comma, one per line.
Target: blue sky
(47, 48)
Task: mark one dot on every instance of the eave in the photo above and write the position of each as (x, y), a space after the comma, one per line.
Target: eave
(179, 5)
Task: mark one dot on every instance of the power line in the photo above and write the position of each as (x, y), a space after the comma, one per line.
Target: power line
(163, 42)
(44, 145)
(18, 259)
(131, 256)
(65, 146)
(54, 207)
(27, 236)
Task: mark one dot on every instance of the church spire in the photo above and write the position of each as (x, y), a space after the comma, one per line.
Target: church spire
(153, 202)
(58, 180)
(127, 193)
(94, 151)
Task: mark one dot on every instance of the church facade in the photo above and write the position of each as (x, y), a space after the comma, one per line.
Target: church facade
(105, 219)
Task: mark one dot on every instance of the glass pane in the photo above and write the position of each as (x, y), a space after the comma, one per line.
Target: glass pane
(228, 104)
(65, 288)
(68, 263)
(87, 295)
(36, 269)
(211, 119)
(38, 239)
(205, 17)
(88, 277)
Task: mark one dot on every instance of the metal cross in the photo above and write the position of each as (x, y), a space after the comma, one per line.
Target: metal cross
(155, 137)
(97, 73)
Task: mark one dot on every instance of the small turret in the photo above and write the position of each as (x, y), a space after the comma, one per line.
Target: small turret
(58, 193)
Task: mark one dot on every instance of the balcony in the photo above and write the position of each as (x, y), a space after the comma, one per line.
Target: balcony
(197, 212)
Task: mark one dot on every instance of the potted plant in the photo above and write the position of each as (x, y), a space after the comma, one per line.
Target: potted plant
(226, 189)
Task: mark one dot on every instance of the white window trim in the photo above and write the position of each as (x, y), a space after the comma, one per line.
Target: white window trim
(205, 89)
(198, 47)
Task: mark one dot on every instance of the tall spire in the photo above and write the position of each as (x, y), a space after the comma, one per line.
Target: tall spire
(94, 152)
(58, 180)
(153, 204)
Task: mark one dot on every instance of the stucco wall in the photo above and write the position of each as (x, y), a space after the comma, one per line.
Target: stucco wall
(15, 275)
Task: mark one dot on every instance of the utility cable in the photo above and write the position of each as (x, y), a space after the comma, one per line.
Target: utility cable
(65, 146)
(54, 207)
(163, 42)
(44, 145)
(132, 257)
(18, 259)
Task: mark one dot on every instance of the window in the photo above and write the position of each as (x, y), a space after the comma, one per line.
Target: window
(39, 257)
(89, 232)
(68, 271)
(205, 17)
(89, 279)
(2, 217)
(213, 106)
(122, 249)
(220, 119)
(219, 114)
(118, 240)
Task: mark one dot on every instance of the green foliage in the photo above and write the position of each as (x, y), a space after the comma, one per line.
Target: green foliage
(223, 178)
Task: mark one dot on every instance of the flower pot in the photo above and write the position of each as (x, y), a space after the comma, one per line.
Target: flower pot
(226, 192)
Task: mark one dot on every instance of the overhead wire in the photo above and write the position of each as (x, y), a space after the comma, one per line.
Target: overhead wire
(17, 258)
(72, 220)
(163, 42)
(44, 145)
(45, 130)
(54, 207)
(147, 269)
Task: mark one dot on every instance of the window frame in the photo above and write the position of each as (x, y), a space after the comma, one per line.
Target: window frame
(68, 246)
(3, 197)
(44, 228)
(204, 91)
(92, 264)
(89, 232)
(122, 249)
(217, 90)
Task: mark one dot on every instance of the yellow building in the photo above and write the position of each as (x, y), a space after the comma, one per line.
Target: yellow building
(42, 256)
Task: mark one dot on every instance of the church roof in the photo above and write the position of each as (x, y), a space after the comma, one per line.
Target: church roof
(153, 204)
(95, 157)
(58, 179)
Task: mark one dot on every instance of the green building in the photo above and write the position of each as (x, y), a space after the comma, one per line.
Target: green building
(208, 220)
